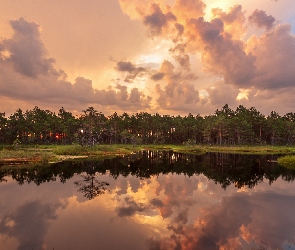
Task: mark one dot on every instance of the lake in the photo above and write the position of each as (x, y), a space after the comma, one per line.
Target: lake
(149, 200)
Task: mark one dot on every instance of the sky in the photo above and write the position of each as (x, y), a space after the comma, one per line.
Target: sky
(159, 56)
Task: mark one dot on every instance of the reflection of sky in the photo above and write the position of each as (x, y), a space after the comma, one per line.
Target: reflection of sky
(164, 212)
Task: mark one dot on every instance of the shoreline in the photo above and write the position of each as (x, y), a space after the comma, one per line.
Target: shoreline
(58, 153)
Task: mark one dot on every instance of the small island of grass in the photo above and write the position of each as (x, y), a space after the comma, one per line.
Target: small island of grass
(287, 161)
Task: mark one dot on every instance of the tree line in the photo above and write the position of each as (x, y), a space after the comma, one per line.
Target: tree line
(224, 127)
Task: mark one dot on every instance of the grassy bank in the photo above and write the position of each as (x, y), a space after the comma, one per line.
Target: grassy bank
(53, 153)
(125, 149)
(287, 161)
(250, 149)
(23, 156)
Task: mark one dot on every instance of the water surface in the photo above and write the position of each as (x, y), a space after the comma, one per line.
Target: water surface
(151, 200)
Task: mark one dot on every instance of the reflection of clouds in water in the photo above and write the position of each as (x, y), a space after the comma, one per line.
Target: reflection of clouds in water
(135, 184)
(176, 192)
(131, 208)
(29, 223)
(237, 221)
(240, 221)
(122, 184)
(173, 185)
(165, 208)
(92, 225)
(157, 203)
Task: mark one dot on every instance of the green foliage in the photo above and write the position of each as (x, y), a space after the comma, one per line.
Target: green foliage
(189, 143)
(16, 143)
(226, 127)
(287, 161)
(25, 155)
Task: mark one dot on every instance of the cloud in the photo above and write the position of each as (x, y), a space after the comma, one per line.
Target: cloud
(233, 20)
(257, 64)
(180, 55)
(157, 203)
(218, 91)
(211, 47)
(131, 69)
(157, 20)
(237, 223)
(27, 52)
(177, 195)
(131, 208)
(261, 19)
(223, 55)
(26, 73)
(275, 53)
(187, 9)
(179, 93)
(157, 76)
(182, 217)
(177, 96)
(29, 223)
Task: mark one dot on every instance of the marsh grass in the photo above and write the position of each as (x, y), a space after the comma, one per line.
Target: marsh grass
(79, 150)
(245, 149)
(120, 149)
(250, 149)
(53, 153)
(287, 161)
(19, 156)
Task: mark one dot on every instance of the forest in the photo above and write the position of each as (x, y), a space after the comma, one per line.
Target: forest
(243, 126)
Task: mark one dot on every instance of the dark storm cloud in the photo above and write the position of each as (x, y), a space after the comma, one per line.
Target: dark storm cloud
(261, 19)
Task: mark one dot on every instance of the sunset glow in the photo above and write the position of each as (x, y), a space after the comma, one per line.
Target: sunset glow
(172, 56)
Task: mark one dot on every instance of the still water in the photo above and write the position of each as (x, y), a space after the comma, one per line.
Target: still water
(150, 200)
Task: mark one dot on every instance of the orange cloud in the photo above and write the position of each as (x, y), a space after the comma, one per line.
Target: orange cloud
(28, 74)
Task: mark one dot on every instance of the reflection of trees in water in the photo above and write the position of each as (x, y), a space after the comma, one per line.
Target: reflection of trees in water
(90, 186)
(2, 180)
(223, 169)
